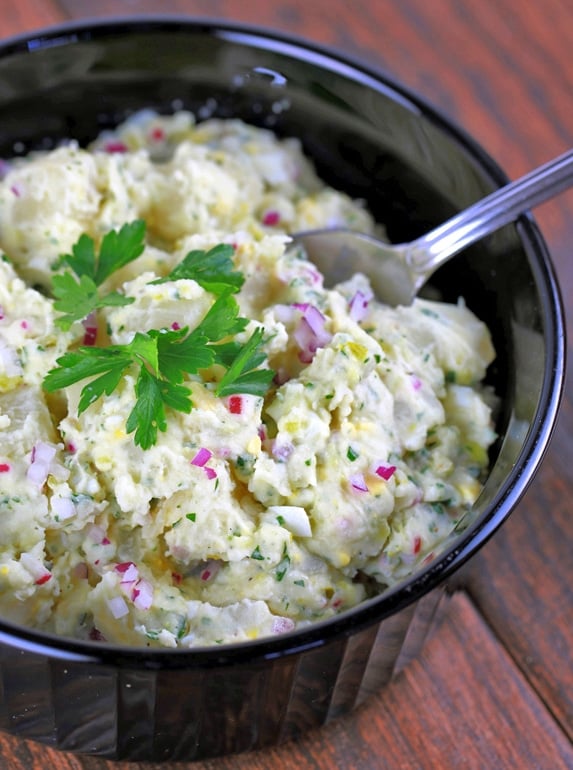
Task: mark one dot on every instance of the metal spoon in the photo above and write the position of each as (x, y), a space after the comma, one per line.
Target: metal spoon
(398, 271)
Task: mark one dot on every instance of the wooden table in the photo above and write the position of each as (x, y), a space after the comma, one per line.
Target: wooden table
(494, 687)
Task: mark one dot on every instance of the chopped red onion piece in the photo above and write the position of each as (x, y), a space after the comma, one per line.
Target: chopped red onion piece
(202, 457)
(310, 333)
(41, 462)
(157, 134)
(128, 571)
(315, 320)
(115, 146)
(282, 452)
(358, 483)
(118, 607)
(306, 340)
(36, 568)
(358, 306)
(90, 326)
(142, 594)
(210, 570)
(235, 404)
(385, 471)
(271, 218)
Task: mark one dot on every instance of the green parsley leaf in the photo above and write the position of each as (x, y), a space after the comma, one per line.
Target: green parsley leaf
(160, 358)
(77, 292)
(242, 376)
(143, 347)
(148, 414)
(76, 299)
(88, 362)
(82, 260)
(181, 353)
(176, 397)
(213, 270)
(106, 383)
(119, 248)
(222, 319)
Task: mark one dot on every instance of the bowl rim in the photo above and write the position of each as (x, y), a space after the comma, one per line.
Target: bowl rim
(405, 593)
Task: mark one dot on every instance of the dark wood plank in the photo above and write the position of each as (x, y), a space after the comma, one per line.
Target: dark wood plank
(522, 583)
(26, 15)
(477, 712)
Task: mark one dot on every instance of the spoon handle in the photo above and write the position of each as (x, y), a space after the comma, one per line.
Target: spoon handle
(492, 212)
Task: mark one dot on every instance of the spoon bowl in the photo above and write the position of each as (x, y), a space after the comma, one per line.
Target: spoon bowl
(397, 272)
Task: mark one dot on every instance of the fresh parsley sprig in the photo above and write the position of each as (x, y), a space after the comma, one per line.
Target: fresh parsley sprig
(213, 270)
(78, 292)
(162, 358)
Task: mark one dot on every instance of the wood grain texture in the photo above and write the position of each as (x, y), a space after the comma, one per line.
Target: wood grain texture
(498, 69)
(494, 688)
(522, 583)
(26, 15)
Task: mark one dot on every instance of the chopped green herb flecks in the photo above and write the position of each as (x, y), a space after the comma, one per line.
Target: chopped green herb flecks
(256, 554)
(351, 454)
(283, 565)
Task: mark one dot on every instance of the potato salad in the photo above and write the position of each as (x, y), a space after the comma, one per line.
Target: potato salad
(202, 441)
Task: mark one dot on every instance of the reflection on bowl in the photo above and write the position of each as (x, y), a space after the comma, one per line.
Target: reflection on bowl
(371, 138)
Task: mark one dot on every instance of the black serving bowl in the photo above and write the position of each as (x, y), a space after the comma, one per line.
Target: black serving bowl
(374, 139)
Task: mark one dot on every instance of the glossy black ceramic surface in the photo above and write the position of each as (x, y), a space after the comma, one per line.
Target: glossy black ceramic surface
(379, 142)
